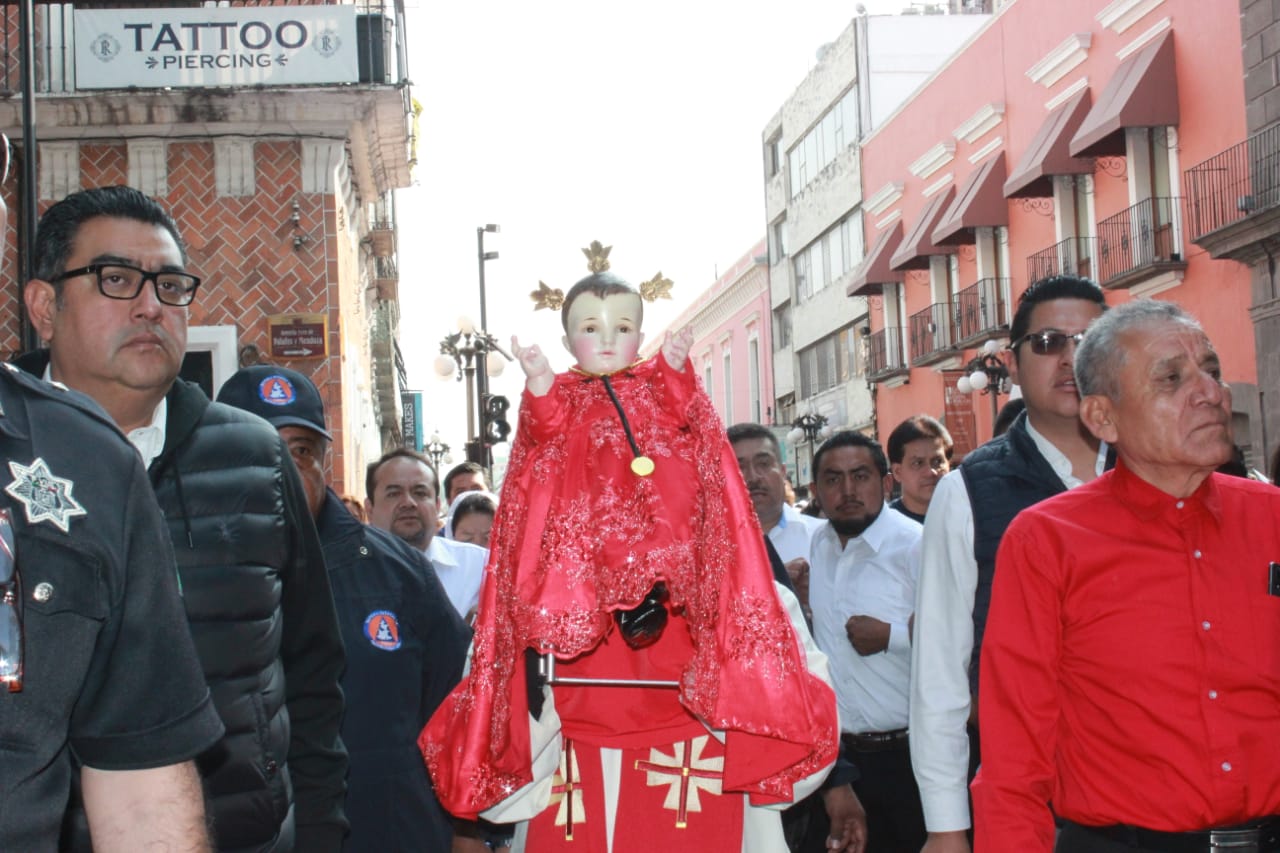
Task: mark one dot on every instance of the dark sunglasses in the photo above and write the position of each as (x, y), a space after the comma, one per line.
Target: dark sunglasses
(1048, 343)
(10, 610)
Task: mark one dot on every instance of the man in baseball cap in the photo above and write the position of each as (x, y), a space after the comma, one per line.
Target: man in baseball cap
(403, 637)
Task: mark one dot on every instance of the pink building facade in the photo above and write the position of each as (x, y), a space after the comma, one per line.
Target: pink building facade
(1055, 141)
(732, 340)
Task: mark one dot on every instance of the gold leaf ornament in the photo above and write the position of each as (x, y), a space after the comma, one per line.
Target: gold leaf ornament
(658, 287)
(547, 297)
(597, 256)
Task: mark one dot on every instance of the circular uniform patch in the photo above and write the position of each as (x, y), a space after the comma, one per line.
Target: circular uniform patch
(382, 630)
(275, 390)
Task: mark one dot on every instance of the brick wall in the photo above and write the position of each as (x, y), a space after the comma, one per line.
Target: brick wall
(1260, 31)
(242, 248)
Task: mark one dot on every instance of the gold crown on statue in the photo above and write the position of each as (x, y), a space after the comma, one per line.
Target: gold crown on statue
(658, 287)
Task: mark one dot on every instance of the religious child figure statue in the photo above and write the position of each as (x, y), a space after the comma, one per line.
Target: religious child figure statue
(680, 702)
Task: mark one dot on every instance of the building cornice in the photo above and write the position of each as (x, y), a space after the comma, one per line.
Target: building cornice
(883, 198)
(1058, 62)
(933, 159)
(938, 186)
(1065, 95)
(973, 128)
(1122, 14)
(981, 154)
(1145, 38)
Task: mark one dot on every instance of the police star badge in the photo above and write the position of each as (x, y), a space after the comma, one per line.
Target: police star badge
(44, 496)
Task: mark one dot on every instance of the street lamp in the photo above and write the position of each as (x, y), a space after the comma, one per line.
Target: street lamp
(986, 374)
(481, 257)
(808, 427)
(482, 378)
(437, 451)
(464, 351)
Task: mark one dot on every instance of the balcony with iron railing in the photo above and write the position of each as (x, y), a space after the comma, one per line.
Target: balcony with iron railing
(931, 334)
(382, 238)
(1139, 243)
(884, 355)
(1072, 256)
(982, 313)
(386, 278)
(1233, 198)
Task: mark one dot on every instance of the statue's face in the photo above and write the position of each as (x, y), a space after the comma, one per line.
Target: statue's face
(604, 334)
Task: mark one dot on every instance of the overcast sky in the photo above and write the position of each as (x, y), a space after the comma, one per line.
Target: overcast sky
(569, 121)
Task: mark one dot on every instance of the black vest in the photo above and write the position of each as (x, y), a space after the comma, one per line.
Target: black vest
(1003, 477)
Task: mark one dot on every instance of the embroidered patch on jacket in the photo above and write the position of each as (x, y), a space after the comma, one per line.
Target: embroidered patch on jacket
(275, 390)
(382, 630)
(44, 496)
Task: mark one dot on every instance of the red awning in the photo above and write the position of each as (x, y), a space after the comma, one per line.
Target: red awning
(1142, 93)
(980, 203)
(1049, 154)
(875, 270)
(917, 246)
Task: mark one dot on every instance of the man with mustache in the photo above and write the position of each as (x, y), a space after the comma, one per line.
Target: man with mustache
(864, 562)
(110, 298)
(1047, 450)
(760, 461)
(402, 500)
(84, 560)
(1131, 672)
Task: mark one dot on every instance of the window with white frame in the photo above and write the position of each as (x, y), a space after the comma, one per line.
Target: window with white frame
(782, 326)
(728, 384)
(753, 380)
(835, 131)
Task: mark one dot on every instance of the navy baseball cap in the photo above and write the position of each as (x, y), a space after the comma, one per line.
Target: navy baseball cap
(278, 395)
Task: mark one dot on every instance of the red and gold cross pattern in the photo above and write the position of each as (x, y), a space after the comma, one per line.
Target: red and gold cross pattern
(566, 791)
(687, 773)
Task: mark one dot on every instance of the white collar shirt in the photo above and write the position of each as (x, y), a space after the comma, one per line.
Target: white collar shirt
(148, 440)
(460, 567)
(871, 575)
(940, 700)
(793, 533)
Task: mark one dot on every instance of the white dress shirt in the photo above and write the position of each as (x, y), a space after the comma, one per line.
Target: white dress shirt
(943, 644)
(793, 533)
(872, 575)
(460, 567)
(147, 440)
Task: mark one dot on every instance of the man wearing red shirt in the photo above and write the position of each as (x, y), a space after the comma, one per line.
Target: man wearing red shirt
(1131, 669)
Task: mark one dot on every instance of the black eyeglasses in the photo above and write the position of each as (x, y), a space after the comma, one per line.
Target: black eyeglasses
(5, 157)
(1048, 342)
(121, 281)
(10, 610)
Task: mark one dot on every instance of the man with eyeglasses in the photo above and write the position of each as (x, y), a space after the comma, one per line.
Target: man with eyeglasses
(110, 297)
(1046, 451)
(95, 661)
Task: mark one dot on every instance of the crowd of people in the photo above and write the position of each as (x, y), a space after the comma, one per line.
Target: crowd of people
(1069, 642)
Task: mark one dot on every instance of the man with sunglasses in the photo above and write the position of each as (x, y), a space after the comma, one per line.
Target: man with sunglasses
(1047, 450)
(110, 297)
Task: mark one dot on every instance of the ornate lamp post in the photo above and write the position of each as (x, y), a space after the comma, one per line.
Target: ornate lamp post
(808, 427)
(986, 374)
(437, 451)
(465, 350)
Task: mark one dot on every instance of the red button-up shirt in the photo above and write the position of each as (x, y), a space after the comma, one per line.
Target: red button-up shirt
(1131, 668)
